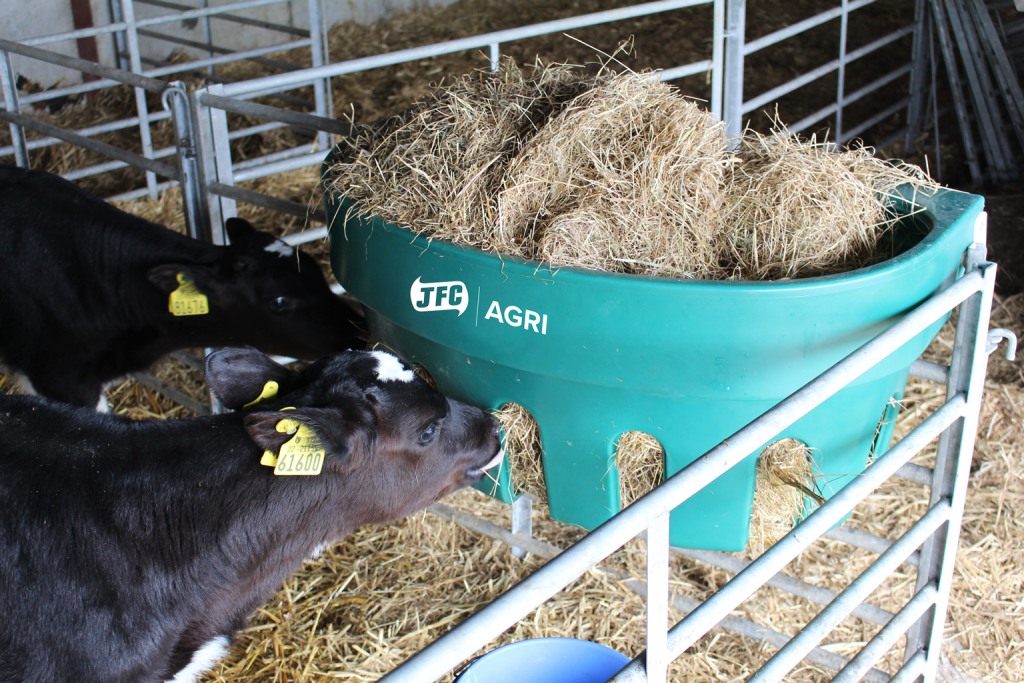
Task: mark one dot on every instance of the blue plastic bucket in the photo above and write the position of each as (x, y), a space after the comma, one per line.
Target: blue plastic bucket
(546, 660)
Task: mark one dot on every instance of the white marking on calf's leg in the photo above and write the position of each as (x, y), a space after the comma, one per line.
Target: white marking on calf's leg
(203, 660)
(390, 368)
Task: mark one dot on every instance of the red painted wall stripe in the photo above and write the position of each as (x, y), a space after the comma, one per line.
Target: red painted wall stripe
(81, 13)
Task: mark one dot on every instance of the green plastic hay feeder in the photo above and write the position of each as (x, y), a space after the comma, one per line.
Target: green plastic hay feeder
(593, 355)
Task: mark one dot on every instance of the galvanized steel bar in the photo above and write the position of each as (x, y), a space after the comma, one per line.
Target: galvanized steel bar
(234, 57)
(298, 238)
(262, 111)
(175, 100)
(656, 659)
(987, 108)
(130, 158)
(841, 76)
(911, 670)
(954, 455)
(470, 43)
(1005, 74)
(717, 59)
(42, 143)
(134, 58)
(285, 206)
(302, 150)
(76, 64)
(789, 86)
(916, 473)
(494, 56)
(989, 141)
(316, 49)
(822, 596)
(887, 636)
(258, 23)
(858, 590)
(684, 71)
(732, 95)
(461, 642)
(9, 87)
(920, 59)
(282, 166)
(89, 171)
(877, 118)
(686, 632)
(925, 369)
(176, 395)
(865, 541)
(522, 519)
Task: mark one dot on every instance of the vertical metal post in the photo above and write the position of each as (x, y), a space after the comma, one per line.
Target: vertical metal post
(9, 86)
(718, 58)
(953, 73)
(522, 521)
(841, 88)
(495, 56)
(214, 164)
(316, 48)
(918, 77)
(207, 36)
(953, 459)
(128, 10)
(120, 42)
(176, 101)
(732, 96)
(657, 659)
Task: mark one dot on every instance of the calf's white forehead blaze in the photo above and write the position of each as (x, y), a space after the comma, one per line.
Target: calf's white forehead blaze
(203, 660)
(280, 248)
(389, 368)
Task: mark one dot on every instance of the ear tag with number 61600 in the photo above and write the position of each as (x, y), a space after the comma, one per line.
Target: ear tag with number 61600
(187, 299)
(303, 454)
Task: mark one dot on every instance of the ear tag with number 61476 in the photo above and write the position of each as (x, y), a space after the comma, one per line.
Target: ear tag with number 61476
(187, 299)
(303, 454)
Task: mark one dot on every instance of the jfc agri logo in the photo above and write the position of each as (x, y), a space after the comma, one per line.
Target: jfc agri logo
(439, 296)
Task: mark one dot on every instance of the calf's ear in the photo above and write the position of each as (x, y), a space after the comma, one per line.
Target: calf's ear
(331, 430)
(241, 231)
(237, 376)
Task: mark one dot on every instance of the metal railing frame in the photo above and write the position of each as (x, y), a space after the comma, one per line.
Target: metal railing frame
(126, 30)
(936, 531)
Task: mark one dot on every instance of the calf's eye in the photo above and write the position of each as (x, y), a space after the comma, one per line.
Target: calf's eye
(429, 433)
(281, 304)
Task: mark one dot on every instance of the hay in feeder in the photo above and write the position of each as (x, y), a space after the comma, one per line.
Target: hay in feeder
(627, 179)
(785, 483)
(523, 451)
(437, 166)
(640, 461)
(800, 208)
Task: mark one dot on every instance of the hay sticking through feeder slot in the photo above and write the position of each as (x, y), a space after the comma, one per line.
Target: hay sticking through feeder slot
(785, 481)
(640, 461)
(521, 441)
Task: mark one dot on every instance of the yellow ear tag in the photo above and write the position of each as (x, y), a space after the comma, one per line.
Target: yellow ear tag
(187, 299)
(269, 392)
(302, 455)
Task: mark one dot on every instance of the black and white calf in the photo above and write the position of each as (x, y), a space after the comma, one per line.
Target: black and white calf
(133, 551)
(87, 291)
